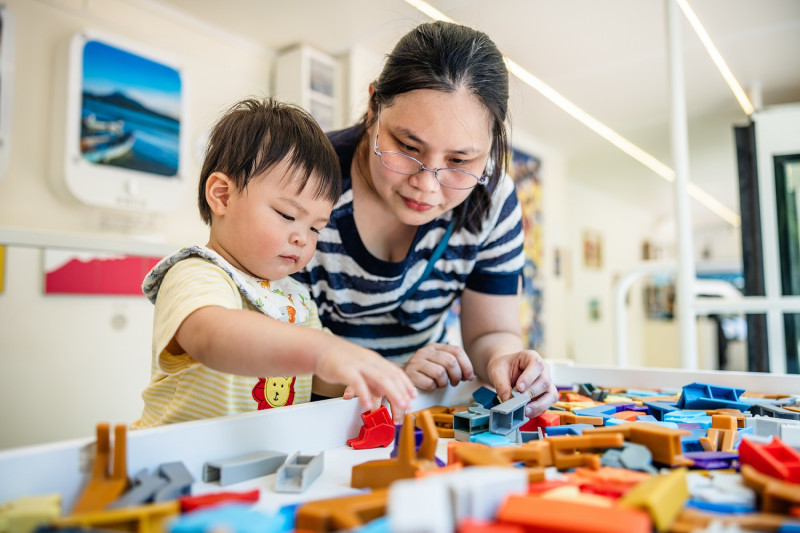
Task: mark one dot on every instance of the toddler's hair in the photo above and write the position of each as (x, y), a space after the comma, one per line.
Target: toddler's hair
(255, 134)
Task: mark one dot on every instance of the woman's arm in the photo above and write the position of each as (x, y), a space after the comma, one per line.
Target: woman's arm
(492, 336)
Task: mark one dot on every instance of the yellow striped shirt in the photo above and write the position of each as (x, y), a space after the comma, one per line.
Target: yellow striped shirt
(181, 388)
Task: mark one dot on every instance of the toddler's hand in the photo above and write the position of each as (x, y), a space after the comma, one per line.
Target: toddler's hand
(369, 377)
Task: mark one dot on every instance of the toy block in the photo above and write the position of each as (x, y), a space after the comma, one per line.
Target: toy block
(191, 503)
(573, 397)
(490, 439)
(414, 506)
(574, 494)
(629, 416)
(663, 443)
(452, 457)
(573, 406)
(104, 487)
(382, 472)
(546, 419)
(230, 517)
(658, 409)
(662, 496)
(642, 393)
(774, 411)
(602, 410)
(705, 396)
(566, 418)
(469, 422)
(775, 459)
(632, 456)
(568, 429)
(568, 452)
(150, 518)
(606, 481)
(145, 486)
(243, 467)
(537, 515)
(179, 481)
(692, 520)
(298, 472)
(534, 455)
(689, 417)
(478, 492)
(712, 460)
(527, 436)
(776, 496)
(29, 512)
(485, 397)
(345, 513)
(509, 415)
(719, 439)
(376, 431)
(735, 413)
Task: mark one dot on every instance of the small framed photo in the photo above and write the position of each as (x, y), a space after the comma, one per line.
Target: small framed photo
(592, 249)
(124, 131)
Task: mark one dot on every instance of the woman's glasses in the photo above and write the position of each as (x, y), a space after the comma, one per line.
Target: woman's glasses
(452, 178)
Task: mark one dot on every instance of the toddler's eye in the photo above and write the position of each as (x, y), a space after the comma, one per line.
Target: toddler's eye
(315, 230)
(287, 217)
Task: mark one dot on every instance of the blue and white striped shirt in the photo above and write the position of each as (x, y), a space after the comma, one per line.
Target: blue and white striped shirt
(367, 300)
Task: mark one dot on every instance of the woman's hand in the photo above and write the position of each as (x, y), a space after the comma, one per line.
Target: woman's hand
(436, 365)
(526, 371)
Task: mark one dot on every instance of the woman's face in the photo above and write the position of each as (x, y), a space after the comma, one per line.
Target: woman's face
(441, 130)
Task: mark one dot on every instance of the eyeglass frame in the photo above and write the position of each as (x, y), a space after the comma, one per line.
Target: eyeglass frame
(482, 180)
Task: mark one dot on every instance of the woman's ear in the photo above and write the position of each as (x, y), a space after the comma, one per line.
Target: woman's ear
(219, 188)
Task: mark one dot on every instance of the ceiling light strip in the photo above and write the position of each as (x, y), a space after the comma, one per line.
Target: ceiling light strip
(716, 57)
(598, 127)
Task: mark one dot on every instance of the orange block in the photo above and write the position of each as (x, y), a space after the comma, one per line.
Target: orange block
(627, 415)
(537, 515)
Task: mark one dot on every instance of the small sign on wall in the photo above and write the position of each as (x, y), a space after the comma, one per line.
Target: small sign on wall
(74, 272)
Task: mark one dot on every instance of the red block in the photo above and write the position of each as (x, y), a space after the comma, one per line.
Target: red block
(190, 503)
(544, 420)
(377, 431)
(775, 459)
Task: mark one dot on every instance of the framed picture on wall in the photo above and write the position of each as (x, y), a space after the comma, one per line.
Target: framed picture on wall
(592, 249)
(124, 109)
(7, 37)
(84, 273)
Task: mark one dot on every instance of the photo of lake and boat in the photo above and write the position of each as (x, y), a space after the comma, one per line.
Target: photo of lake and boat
(131, 111)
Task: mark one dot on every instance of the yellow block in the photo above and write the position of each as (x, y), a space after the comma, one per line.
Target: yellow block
(662, 496)
(27, 513)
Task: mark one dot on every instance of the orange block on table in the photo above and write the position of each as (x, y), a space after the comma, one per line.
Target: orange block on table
(575, 397)
(627, 415)
(537, 515)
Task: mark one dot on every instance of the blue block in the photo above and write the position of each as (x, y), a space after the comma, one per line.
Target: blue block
(614, 421)
(789, 527)
(490, 439)
(705, 396)
(567, 429)
(725, 508)
(233, 517)
(637, 392)
(689, 417)
(670, 425)
(646, 418)
(486, 397)
(657, 409)
(691, 445)
(604, 411)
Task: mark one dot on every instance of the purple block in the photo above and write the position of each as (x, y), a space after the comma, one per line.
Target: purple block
(712, 460)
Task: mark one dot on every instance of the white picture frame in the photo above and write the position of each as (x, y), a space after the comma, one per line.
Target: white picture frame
(123, 125)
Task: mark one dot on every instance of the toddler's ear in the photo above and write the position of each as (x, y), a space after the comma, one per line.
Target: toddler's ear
(219, 188)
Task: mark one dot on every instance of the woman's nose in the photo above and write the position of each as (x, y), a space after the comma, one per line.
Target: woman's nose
(425, 180)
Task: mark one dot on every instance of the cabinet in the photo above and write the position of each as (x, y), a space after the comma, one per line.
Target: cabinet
(309, 78)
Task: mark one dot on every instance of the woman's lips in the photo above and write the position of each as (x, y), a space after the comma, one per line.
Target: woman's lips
(416, 206)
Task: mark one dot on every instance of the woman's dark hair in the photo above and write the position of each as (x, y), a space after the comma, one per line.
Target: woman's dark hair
(254, 135)
(448, 57)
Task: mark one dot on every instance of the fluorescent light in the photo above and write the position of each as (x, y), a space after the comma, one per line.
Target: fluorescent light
(598, 127)
(716, 57)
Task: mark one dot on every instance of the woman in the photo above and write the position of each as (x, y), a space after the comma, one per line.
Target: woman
(428, 215)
